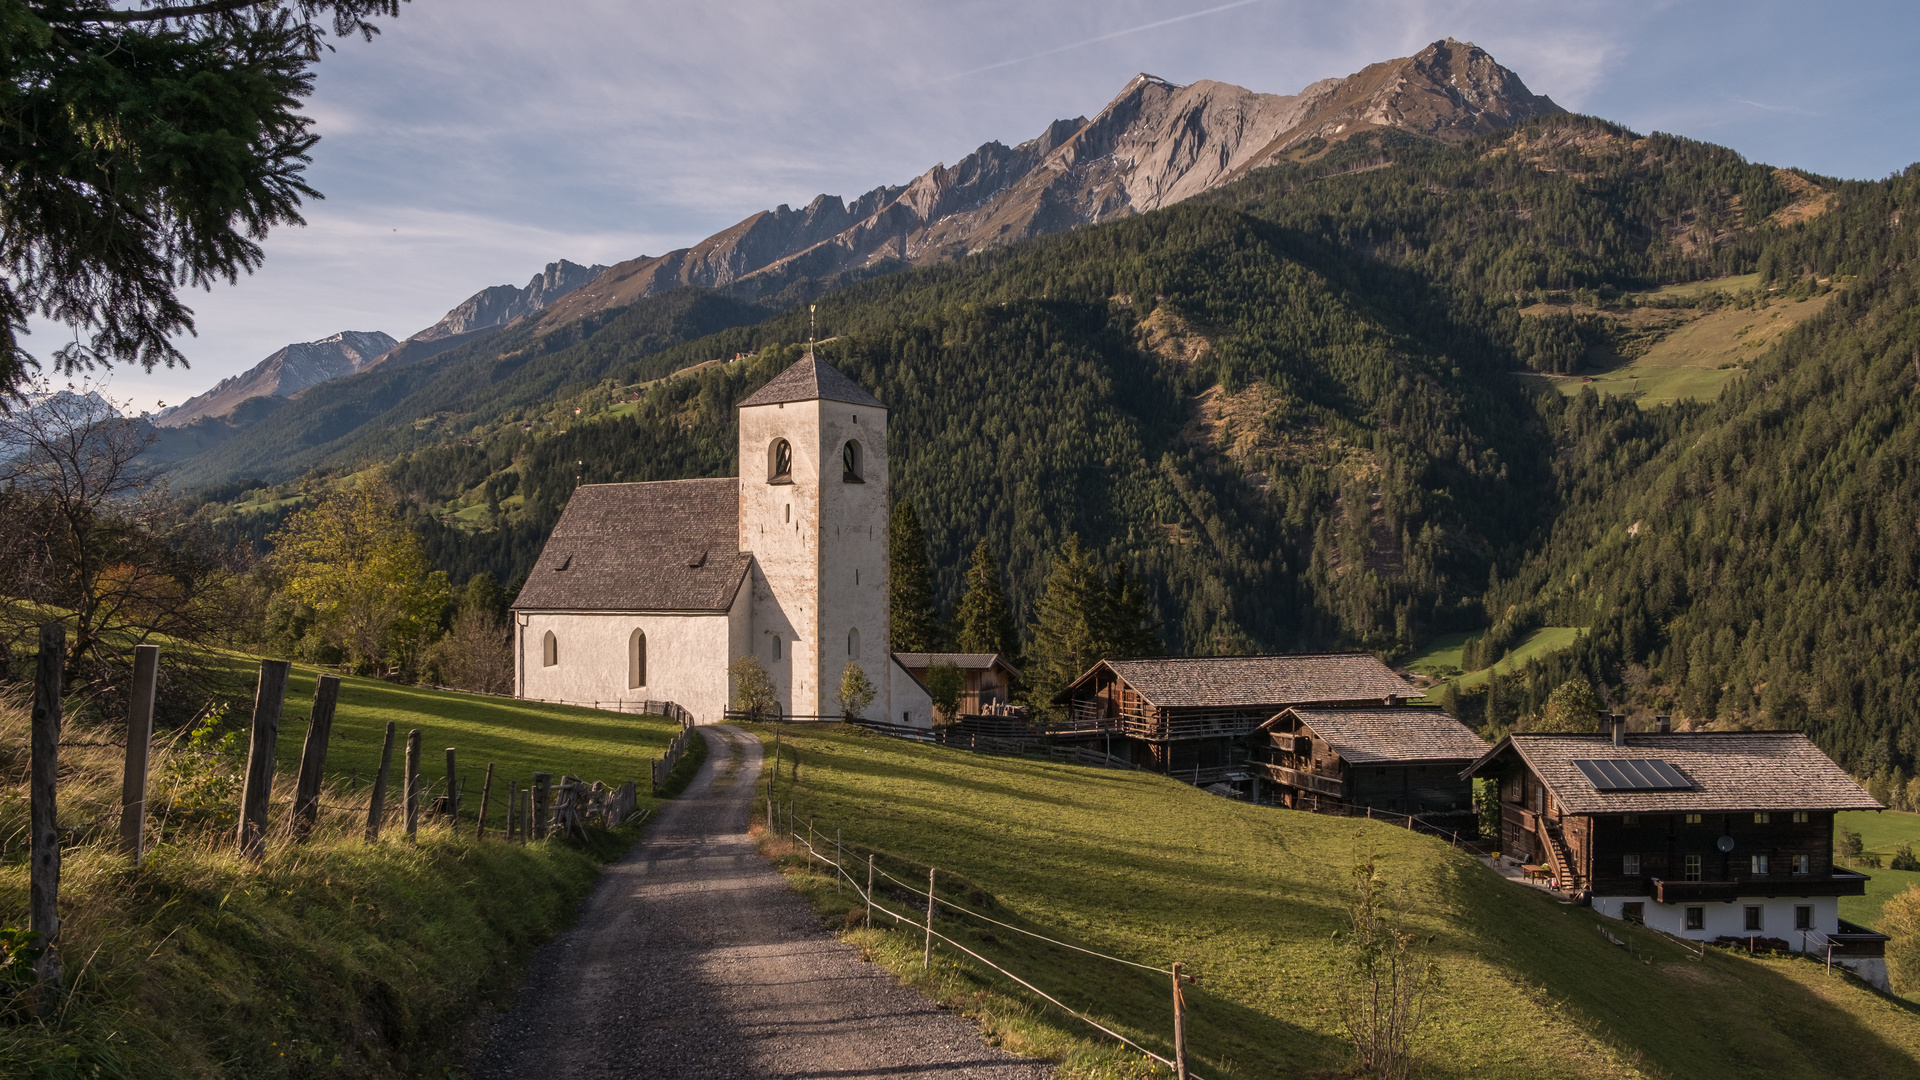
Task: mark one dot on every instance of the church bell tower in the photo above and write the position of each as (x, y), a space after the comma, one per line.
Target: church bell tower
(813, 513)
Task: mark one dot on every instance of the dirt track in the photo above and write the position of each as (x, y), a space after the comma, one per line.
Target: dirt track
(692, 959)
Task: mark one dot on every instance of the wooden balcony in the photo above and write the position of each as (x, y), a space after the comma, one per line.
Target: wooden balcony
(1330, 786)
(1840, 883)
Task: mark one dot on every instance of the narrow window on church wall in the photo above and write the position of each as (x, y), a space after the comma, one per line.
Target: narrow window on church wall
(776, 647)
(637, 660)
(549, 650)
(853, 643)
(851, 463)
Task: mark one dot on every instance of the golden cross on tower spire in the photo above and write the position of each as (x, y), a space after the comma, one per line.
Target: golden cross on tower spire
(810, 308)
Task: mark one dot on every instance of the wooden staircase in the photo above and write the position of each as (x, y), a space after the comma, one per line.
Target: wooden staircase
(1556, 854)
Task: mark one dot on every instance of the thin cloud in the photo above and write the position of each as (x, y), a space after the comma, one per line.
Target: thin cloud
(1793, 109)
(1094, 40)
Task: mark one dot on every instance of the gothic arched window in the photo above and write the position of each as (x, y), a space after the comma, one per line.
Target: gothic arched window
(852, 463)
(853, 643)
(549, 650)
(780, 462)
(637, 660)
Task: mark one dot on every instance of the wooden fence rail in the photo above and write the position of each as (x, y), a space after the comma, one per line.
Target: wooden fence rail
(532, 812)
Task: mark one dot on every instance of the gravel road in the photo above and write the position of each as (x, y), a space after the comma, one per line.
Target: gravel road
(692, 959)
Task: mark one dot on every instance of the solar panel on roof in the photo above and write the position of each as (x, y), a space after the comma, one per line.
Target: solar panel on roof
(1631, 774)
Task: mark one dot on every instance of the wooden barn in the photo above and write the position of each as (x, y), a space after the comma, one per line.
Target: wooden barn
(1404, 760)
(1710, 835)
(1190, 717)
(987, 678)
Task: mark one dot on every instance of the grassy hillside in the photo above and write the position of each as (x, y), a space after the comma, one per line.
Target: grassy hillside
(1153, 870)
(1881, 834)
(333, 958)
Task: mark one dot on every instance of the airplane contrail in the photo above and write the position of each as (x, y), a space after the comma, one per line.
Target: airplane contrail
(1096, 40)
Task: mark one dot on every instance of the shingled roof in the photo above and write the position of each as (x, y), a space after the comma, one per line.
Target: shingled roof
(1366, 736)
(1729, 771)
(811, 379)
(1180, 682)
(667, 546)
(965, 661)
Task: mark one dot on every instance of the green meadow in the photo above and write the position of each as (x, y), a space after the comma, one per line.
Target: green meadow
(1250, 898)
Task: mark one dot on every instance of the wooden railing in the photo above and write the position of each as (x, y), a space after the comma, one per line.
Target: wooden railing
(1306, 781)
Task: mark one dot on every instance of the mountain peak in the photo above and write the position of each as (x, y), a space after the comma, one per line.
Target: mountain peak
(285, 373)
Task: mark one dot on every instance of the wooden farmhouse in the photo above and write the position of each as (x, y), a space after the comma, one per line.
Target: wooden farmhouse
(987, 677)
(1191, 717)
(1709, 836)
(1403, 760)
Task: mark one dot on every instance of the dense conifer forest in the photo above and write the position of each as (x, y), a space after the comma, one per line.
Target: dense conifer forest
(1291, 409)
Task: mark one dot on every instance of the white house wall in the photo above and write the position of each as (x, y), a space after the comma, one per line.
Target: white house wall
(686, 659)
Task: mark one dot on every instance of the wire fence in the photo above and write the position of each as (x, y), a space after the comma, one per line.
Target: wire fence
(868, 894)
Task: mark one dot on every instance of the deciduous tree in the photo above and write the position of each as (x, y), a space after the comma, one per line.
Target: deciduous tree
(1571, 709)
(856, 691)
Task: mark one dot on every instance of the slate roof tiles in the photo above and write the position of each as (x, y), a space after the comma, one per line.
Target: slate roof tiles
(1402, 733)
(1244, 681)
(811, 379)
(668, 546)
(1730, 771)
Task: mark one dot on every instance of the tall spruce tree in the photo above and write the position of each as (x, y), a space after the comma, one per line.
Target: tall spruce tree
(915, 622)
(1087, 613)
(985, 624)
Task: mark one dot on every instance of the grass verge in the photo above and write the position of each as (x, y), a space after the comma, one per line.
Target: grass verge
(1151, 870)
(331, 958)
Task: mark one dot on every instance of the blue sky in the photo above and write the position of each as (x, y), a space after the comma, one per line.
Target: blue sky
(477, 140)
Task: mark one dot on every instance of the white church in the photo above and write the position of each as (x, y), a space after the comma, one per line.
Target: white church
(648, 592)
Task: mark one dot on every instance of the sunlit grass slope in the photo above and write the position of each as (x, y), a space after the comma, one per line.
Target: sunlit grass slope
(1153, 870)
(1442, 655)
(1881, 833)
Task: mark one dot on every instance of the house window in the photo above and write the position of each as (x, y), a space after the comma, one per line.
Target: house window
(1696, 918)
(1630, 865)
(1629, 819)
(851, 462)
(1802, 864)
(636, 660)
(1634, 912)
(1799, 817)
(780, 462)
(1754, 919)
(549, 650)
(1693, 868)
(1693, 819)
(1803, 917)
(853, 643)
(1763, 818)
(1759, 865)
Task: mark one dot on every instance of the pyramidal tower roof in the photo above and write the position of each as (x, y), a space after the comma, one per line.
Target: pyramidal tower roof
(811, 379)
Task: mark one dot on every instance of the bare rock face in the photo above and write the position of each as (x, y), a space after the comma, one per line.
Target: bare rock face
(1155, 144)
(499, 305)
(285, 373)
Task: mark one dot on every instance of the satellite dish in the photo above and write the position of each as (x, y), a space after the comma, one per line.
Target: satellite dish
(1725, 844)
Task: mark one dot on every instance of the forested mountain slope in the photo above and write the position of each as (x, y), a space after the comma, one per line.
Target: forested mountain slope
(1291, 411)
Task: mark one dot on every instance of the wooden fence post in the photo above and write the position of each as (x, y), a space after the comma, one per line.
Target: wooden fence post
(43, 886)
(526, 812)
(926, 958)
(542, 783)
(869, 890)
(513, 807)
(410, 795)
(486, 797)
(269, 697)
(453, 795)
(313, 756)
(839, 864)
(133, 787)
(1179, 1026)
(377, 804)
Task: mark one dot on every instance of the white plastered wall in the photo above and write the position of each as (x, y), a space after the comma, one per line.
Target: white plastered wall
(909, 702)
(687, 656)
(779, 524)
(853, 554)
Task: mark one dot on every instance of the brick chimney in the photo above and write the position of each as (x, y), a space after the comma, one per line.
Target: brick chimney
(1618, 721)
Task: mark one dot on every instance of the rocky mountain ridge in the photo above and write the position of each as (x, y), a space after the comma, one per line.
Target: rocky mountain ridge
(1155, 144)
(305, 364)
(285, 373)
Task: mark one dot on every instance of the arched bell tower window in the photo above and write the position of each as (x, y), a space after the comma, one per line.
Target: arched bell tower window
(549, 650)
(853, 643)
(780, 462)
(637, 660)
(852, 463)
